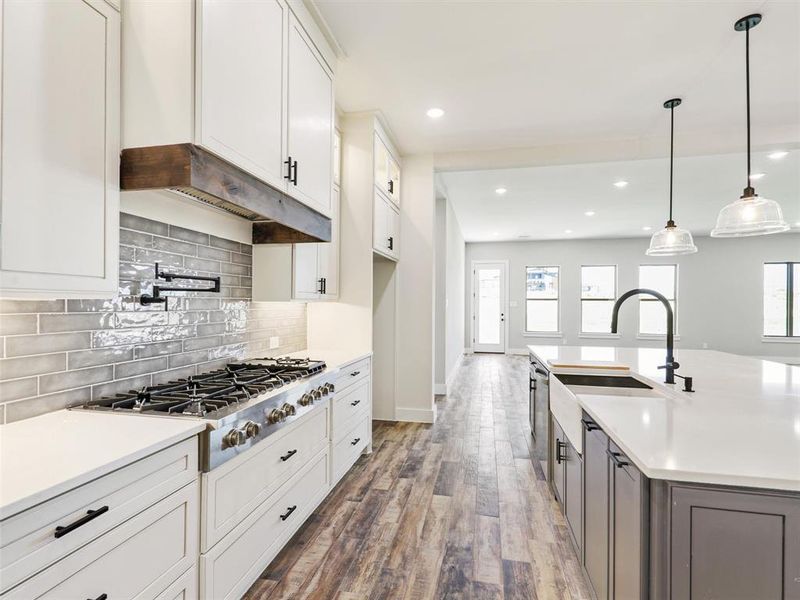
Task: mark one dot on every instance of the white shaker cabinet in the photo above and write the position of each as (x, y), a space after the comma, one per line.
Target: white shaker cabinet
(60, 149)
(241, 84)
(387, 170)
(310, 121)
(386, 228)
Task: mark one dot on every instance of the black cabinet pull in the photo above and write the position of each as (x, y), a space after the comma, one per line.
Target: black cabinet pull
(295, 169)
(355, 441)
(63, 530)
(321, 287)
(289, 512)
(288, 455)
(391, 243)
(391, 186)
(356, 403)
(324, 285)
(618, 462)
(559, 444)
(100, 597)
(354, 373)
(288, 164)
(590, 425)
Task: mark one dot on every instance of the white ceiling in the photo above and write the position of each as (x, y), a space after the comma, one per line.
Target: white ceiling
(530, 74)
(542, 202)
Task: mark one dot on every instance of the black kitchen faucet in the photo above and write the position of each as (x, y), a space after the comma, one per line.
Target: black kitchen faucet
(671, 366)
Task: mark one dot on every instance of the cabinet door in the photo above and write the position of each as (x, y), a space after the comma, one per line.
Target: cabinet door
(393, 230)
(60, 149)
(394, 180)
(381, 165)
(241, 66)
(559, 462)
(310, 122)
(734, 544)
(306, 278)
(629, 548)
(573, 503)
(337, 158)
(595, 505)
(380, 224)
(328, 257)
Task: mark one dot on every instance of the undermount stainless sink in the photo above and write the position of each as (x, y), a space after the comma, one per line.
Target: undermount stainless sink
(610, 381)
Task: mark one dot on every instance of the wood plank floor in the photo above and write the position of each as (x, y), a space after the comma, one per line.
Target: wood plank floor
(454, 510)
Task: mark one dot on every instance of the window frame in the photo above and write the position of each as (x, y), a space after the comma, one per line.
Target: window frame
(792, 288)
(537, 333)
(581, 300)
(643, 298)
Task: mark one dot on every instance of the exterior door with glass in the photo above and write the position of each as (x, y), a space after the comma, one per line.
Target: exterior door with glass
(489, 307)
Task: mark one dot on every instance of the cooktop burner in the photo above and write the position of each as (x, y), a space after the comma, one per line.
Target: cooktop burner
(203, 394)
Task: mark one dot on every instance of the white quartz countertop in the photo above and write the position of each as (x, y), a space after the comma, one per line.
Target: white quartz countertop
(48, 455)
(335, 358)
(740, 427)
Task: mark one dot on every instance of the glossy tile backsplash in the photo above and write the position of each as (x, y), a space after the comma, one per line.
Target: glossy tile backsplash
(57, 353)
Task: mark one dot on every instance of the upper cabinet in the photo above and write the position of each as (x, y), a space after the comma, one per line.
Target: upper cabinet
(387, 170)
(251, 82)
(59, 152)
(241, 85)
(310, 124)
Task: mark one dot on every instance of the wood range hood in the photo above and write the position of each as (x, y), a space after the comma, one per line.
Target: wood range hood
(195, 172)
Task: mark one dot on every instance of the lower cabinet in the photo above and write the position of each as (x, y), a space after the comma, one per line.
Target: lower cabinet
(567, 480)
(729, 543)
(595, 503)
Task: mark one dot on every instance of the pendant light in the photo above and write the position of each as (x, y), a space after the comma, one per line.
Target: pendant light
(750, 214)
(671, 240)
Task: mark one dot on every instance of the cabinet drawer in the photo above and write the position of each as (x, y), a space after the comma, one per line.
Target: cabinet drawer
(349, 448)
(183, 588)
(352, 374)
(234, 490)
(137, 560)
(348, 406)
(228, 570)
(29, 541)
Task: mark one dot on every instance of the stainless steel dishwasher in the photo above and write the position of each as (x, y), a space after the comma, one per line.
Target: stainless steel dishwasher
(539, 407)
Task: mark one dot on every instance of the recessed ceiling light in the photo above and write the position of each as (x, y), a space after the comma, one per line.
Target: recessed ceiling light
(797, 224)
(777, 155)
(620, 184)
(495, 233)
(500, 191)
(568, 231)
(589, 213)
(756, 176)
(646, 228)
(435, 113)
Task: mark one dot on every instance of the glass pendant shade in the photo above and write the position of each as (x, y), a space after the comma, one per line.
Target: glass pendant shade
(671, 241)
(750, 216)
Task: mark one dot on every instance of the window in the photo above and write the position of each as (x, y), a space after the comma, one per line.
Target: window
(652, 316)
(782, 299)
(598, 293)
(541, 299)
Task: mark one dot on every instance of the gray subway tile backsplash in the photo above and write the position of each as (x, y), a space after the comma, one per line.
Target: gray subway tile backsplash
(60, 353)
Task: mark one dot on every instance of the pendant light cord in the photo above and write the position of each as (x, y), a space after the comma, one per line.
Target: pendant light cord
(671, 154)
(747, 79)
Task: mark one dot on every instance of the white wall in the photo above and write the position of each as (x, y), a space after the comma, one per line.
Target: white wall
(719, 289)
(415, 299)
(454, 297)
(449, 330)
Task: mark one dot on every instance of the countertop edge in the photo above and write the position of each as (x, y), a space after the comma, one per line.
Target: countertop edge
(27, 502)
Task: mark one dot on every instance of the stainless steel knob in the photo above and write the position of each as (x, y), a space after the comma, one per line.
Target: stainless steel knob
(235, 437)
(288, 409)
(330, 387)
(252, 429)
(317, 393)
(276, 415)
(306, 400)
(323, 389)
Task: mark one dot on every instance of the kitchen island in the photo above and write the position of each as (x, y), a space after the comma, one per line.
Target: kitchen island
(676, 494)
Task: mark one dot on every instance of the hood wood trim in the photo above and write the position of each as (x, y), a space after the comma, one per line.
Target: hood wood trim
(195, 172)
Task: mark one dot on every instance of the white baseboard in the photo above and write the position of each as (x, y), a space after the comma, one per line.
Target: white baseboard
(440, 389)
(518, 351)
(415, 415)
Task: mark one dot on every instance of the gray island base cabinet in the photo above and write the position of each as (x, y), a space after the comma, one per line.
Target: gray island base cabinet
(642, 538)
